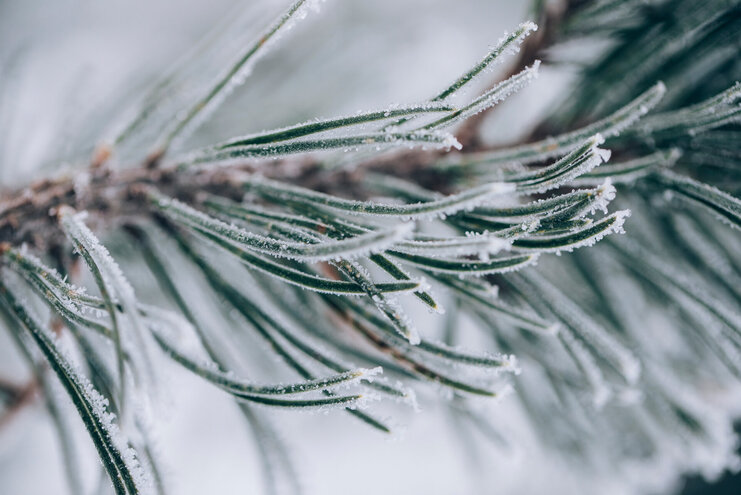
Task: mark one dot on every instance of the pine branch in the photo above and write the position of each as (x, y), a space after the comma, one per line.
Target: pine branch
(270, 236)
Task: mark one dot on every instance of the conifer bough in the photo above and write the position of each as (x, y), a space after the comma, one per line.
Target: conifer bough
(273, 237)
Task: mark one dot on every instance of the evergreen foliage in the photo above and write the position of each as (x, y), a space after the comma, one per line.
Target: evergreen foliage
(323, 240)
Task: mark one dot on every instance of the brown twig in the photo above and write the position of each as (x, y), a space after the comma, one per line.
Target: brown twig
(22, 395)
(27, 215)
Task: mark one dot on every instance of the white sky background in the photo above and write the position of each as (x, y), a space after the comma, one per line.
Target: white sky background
(59, 57)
